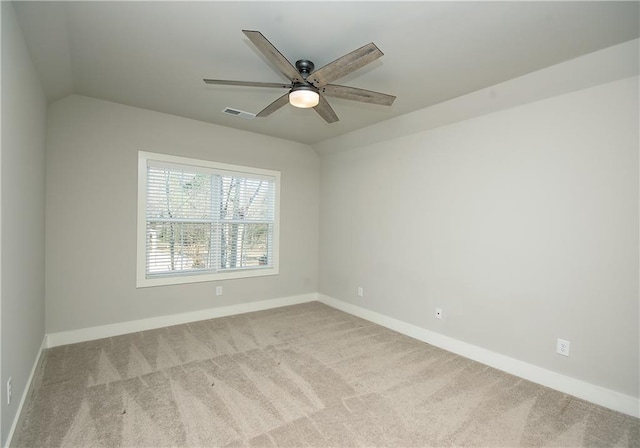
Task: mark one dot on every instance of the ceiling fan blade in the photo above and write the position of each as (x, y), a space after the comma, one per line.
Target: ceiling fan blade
(325, 111)
(345, 65)
(277, 104)
(247, 83)
(355, 94)
(273, 55)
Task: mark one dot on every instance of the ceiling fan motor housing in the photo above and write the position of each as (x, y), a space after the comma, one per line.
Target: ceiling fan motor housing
(305, 67)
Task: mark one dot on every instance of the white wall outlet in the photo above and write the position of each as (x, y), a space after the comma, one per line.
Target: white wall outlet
(360, 291)
(218, 290)
(563, 347)
(438, 313)
(9, 390)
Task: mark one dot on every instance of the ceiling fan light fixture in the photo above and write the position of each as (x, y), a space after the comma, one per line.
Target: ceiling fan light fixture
(304, 97)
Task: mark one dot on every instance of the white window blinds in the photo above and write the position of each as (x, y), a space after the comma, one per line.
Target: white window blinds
(207, 220)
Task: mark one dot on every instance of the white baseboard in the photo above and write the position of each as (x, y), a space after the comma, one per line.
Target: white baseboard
(133, 326)
(27, 387)
(586, 391)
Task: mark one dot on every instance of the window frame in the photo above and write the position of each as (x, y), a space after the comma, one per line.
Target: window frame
(176, 278)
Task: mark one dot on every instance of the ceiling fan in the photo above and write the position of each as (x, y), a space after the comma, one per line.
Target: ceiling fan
(308, 87)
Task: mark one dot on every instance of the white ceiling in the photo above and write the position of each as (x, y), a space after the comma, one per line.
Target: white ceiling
(154, 55)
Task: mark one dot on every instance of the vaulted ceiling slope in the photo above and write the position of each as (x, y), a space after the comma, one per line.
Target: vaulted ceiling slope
(154, 55)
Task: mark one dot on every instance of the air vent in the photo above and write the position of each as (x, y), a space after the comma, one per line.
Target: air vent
(238, 113)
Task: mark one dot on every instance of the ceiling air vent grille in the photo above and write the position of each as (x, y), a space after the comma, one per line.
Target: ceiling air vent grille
(238, 113)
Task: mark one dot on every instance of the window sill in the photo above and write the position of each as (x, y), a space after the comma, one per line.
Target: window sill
(199, 278)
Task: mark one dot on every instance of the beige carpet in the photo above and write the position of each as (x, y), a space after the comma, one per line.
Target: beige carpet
(304, 375)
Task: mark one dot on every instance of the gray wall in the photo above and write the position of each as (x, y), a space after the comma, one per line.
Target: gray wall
(522, 225)
(22, 223)
(92, 157)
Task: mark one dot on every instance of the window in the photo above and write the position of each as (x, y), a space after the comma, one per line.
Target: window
(202, 221)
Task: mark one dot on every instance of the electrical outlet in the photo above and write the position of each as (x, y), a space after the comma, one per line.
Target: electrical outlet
(563, 347)
(218, 290)
(360, 291)
(9, 390)
(438, 313)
